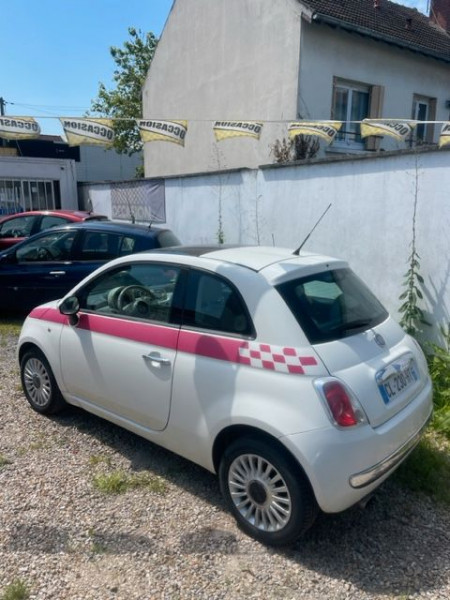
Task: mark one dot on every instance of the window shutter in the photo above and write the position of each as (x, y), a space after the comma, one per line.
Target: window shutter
(431, 117)
(333, 99)
(375, 110)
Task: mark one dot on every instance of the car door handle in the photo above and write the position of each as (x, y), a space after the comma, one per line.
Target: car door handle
(155, 357)
(57, 272)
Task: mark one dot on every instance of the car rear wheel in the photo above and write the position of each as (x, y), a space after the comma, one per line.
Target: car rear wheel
(39, 384)
(266, 492)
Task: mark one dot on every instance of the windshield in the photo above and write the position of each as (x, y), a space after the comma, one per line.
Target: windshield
(332, 305)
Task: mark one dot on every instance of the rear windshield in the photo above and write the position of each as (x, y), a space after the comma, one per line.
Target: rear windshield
(332, 305)
(167, 238)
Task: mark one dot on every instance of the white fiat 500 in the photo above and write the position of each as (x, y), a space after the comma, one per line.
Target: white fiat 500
(282, 373)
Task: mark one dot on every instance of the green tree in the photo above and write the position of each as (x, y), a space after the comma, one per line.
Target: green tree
(125, 101)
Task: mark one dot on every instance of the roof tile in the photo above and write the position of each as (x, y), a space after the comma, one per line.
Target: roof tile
(404, 25)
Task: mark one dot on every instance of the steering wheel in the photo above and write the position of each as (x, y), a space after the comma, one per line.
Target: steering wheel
(130, 293)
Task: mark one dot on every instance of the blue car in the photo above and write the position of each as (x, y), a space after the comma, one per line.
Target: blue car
(47, 265)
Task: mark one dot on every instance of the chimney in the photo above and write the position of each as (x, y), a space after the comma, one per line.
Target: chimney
(440, 13)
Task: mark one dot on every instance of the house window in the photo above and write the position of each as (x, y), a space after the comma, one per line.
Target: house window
(353, 101)
(424, 109)
(350, 104)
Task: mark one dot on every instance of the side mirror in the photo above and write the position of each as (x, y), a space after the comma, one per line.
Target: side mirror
(8, 258)
(70, 307)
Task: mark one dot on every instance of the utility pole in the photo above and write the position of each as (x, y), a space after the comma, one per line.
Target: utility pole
(2, 113)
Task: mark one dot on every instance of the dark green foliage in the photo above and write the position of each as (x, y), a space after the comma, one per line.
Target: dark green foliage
(439, 365)
(124, 103)
(428, 469)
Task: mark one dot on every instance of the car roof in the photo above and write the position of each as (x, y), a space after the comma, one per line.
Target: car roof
(256, 258)
(112, 226)
(80, 214)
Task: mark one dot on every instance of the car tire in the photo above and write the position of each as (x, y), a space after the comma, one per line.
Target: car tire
(39, 383)
(266, 491)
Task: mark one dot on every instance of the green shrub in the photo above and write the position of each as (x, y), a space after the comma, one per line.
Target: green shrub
(17, 590)
(4, 461)
(427, 469)
(119, 482)
(439, 365)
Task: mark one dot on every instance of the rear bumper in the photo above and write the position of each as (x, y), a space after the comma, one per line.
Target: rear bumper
(372, 474)
(344, 466)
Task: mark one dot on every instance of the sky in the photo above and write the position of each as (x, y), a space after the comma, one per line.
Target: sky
(54, 53)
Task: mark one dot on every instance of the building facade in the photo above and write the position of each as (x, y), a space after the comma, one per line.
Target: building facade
(276, 62)
(45, 173)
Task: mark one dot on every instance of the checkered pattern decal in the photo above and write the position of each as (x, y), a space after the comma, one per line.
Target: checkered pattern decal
(277, 358)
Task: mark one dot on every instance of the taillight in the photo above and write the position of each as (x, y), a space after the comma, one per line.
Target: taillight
(340, 404)
(343, 408)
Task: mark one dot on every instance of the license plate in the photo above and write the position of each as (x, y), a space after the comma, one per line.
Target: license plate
(396, 378)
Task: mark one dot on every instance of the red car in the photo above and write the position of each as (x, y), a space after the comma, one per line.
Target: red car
(15, 228)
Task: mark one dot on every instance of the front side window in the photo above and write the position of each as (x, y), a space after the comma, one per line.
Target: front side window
(332, 305)
(350, 105)
(56, 246)
(144, 291)
(213, 303)
(17, 227)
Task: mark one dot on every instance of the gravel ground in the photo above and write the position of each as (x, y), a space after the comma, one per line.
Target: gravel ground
(67, 540)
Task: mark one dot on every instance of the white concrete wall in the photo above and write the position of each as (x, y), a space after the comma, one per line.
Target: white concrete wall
(96, 197)
(369, 223)
(220, 60)
(328, 53)
(44, 169)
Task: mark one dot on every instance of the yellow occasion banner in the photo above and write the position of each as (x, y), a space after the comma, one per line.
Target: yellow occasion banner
(19, 128)
(162, 131)
(444, 138)
(399, 130)
(98, 132)
(224, 130)
(325, 130)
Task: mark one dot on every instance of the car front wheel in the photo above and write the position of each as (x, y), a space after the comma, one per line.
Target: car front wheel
(39, 384)
(266, 492)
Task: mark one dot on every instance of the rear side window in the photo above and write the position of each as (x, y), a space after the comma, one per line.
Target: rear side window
(51, 221)
(332, 305)
(213, 303)
(98, 245)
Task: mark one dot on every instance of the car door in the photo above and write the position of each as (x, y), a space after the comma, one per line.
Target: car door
(118, 361)
(38, 270)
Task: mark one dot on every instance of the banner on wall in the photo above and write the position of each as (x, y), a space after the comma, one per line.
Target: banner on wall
(399, 130)
(224, 130)
(325, 130)
(97, 132)
(19, 128)
(162, 131)
(145, 201)
(444, 138)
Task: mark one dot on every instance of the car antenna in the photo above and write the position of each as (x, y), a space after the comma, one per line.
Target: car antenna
(297, 252)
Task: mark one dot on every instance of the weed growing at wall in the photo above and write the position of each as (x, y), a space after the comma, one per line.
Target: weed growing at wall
(412, 315)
